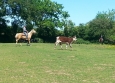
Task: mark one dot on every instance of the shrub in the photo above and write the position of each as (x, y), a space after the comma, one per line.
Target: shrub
(81, 41)
(38, 40)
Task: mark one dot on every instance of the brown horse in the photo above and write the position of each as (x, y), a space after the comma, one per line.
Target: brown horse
(19, 36)
(101, 40)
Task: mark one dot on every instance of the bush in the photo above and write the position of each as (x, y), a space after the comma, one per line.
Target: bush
(38, 40)
(81, 41)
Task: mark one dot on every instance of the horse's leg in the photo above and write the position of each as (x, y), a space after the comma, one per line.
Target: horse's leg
(102, 41)
(16, 41)
(20, 44)
(28, 42)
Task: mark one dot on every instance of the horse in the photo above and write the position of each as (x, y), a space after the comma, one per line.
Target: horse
(20, 36)
(101, 40)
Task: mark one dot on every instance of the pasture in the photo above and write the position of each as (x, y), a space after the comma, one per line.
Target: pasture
(41, 63)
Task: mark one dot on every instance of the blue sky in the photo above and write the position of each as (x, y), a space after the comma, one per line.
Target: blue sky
(82, 11)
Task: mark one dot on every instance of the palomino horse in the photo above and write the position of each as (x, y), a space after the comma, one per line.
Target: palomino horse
(19, 36)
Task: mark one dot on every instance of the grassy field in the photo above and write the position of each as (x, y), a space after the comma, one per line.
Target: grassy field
(41, 63)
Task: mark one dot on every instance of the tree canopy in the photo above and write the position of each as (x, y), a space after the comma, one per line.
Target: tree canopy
(44, 14)
(103, 24)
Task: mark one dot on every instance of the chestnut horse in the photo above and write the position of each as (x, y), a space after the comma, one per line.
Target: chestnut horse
(19, 36)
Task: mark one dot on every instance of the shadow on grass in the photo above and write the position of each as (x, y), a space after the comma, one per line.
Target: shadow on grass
(66, 49)
(18, 45)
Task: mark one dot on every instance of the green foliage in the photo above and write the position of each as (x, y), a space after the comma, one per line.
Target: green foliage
(81, 41)
(38, 40)
(46, 15)
(102, 24)
(69, 28)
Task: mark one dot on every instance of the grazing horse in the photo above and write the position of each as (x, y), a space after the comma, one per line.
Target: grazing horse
(19, 36)
(67, 40)
(101, 40)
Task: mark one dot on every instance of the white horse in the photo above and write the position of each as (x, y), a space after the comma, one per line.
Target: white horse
(19, 36)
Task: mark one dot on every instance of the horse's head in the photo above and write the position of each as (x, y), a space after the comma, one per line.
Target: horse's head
(33, 31)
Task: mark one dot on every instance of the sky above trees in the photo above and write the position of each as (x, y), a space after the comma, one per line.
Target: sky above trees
(82, 11)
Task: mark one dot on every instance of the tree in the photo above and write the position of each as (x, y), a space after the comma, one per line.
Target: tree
(69, 28)
(44, 14)
(101, 25)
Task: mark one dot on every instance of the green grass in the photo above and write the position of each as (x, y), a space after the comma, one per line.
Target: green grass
(41, 63)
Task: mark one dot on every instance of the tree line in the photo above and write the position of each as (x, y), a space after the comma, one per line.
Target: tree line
(50, 20)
